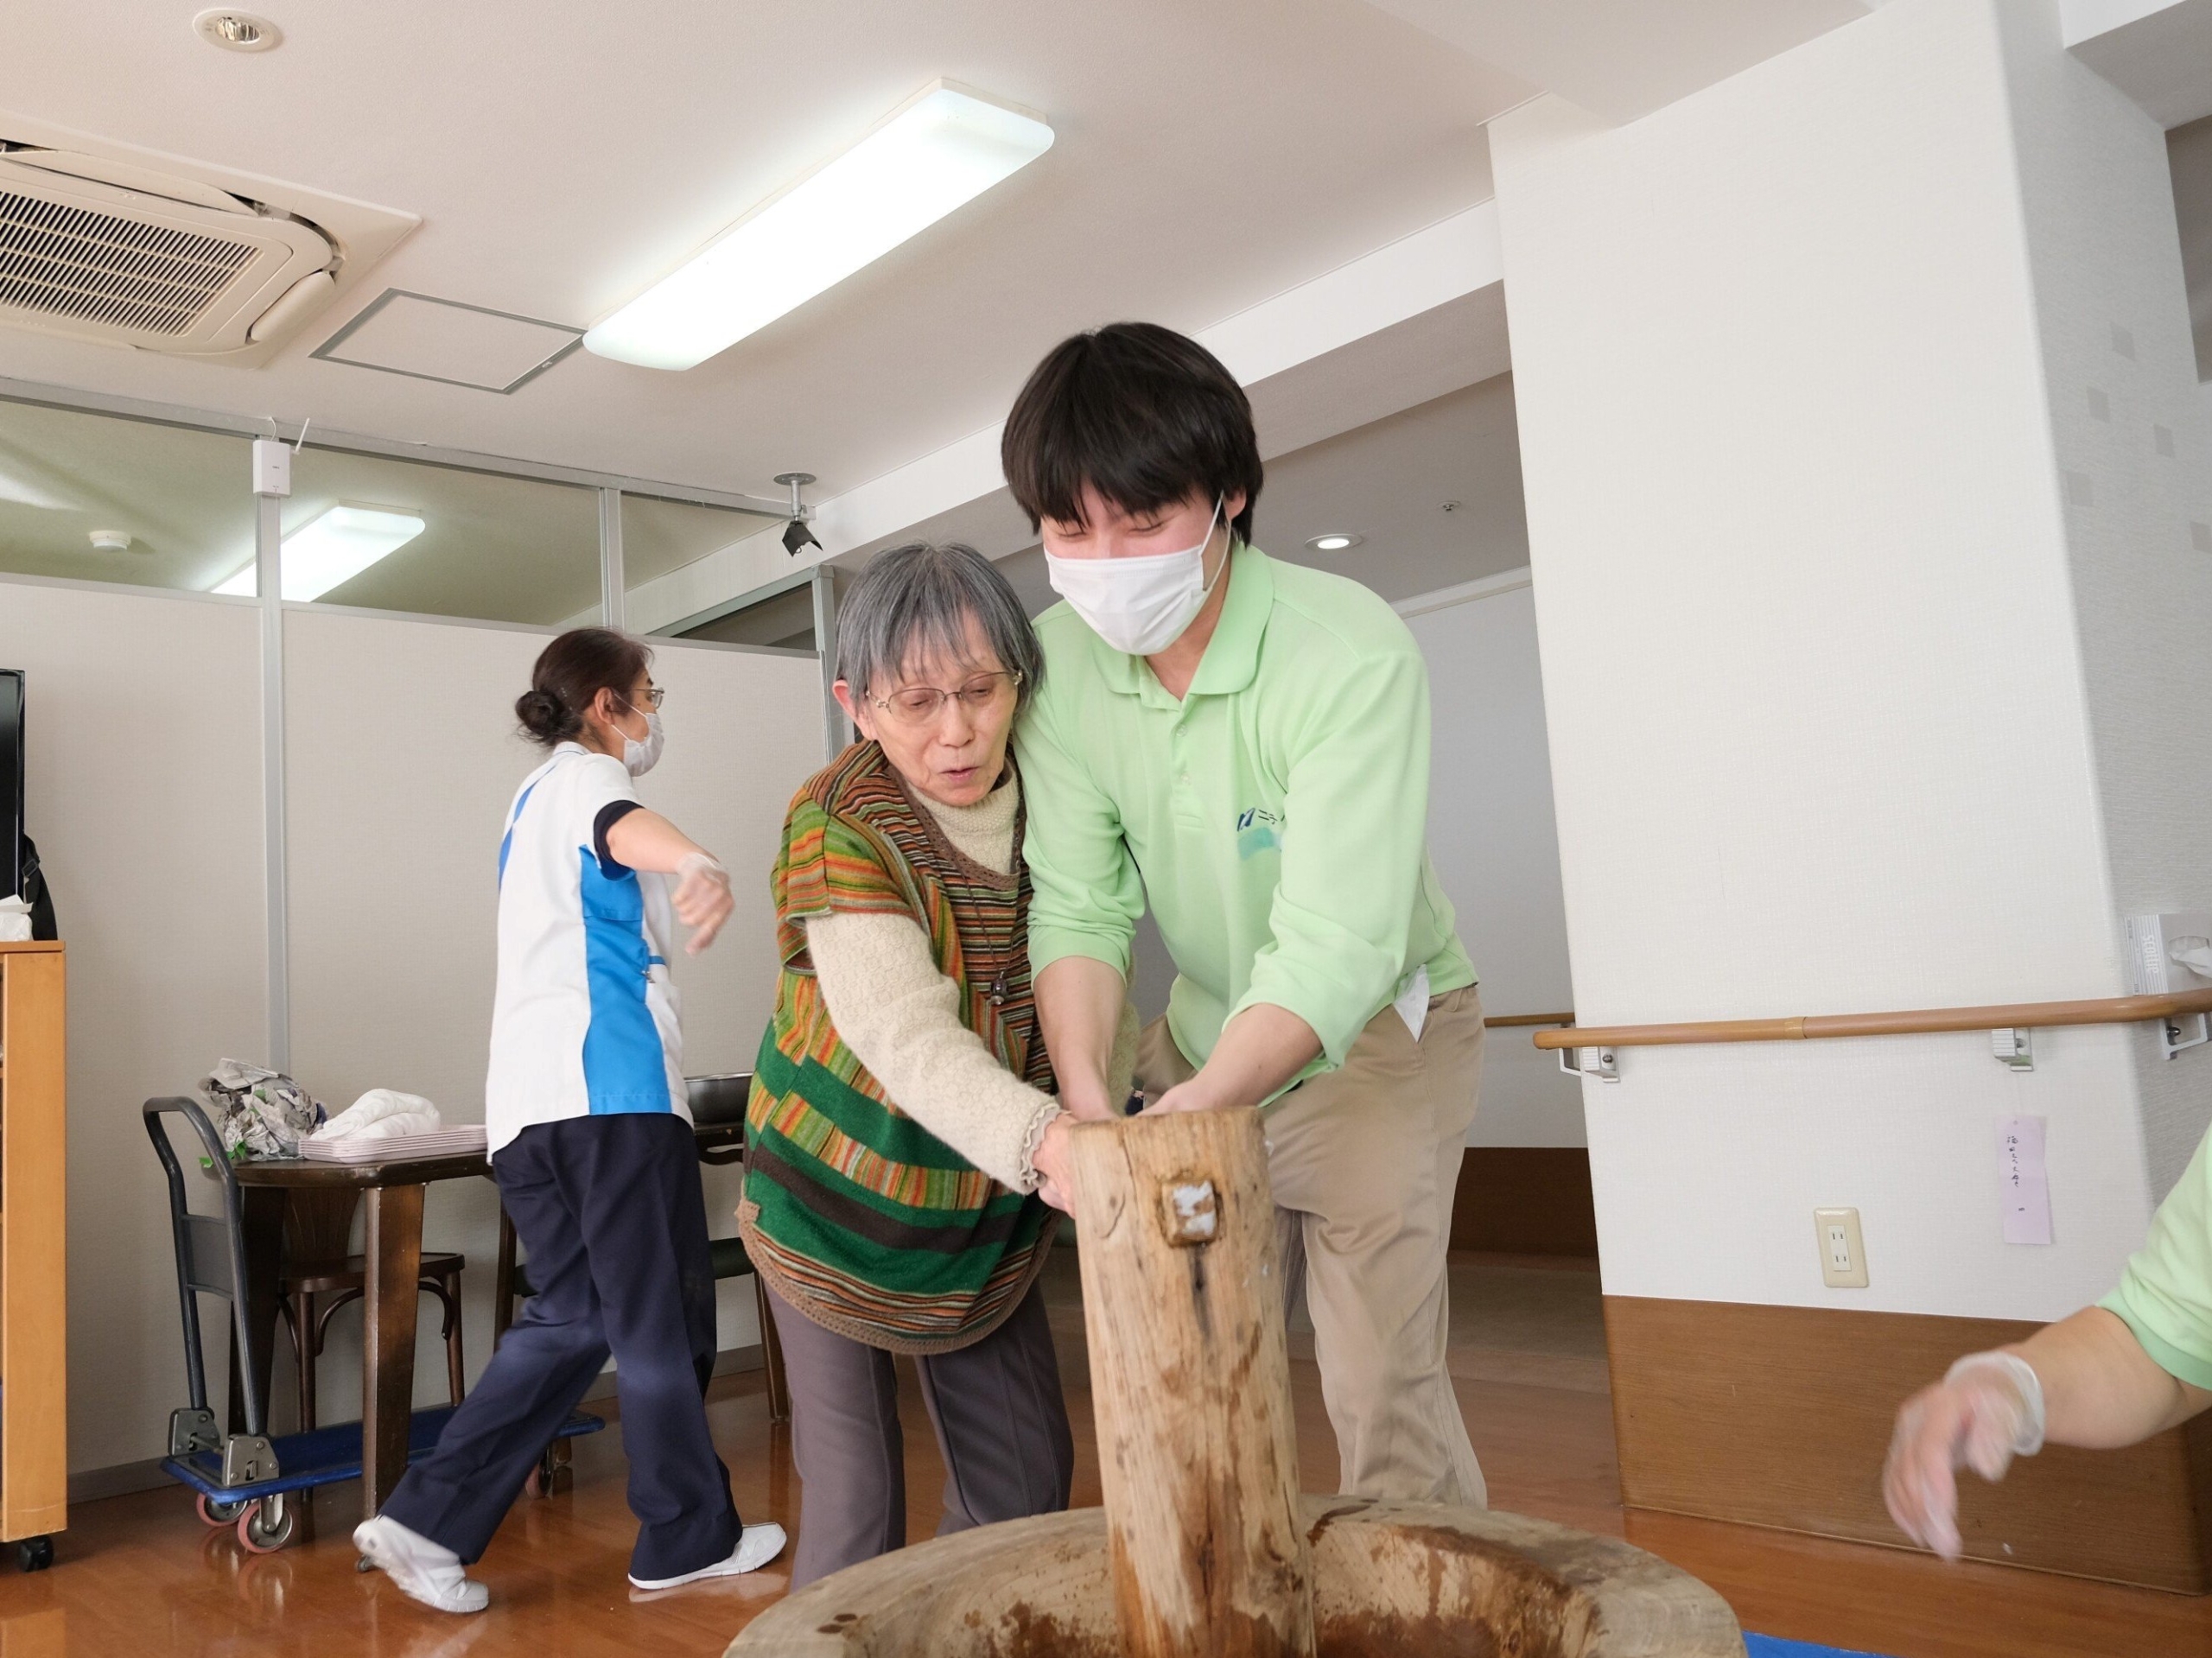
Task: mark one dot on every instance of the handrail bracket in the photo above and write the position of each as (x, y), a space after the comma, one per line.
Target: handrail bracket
(1604, 1066)
(2170, 1039)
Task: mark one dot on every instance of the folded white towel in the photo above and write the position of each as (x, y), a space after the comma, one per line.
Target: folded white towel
(382, 1114)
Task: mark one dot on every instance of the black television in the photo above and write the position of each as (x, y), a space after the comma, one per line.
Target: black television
(11, 782)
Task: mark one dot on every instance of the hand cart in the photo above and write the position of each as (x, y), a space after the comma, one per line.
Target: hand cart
(248, 1479)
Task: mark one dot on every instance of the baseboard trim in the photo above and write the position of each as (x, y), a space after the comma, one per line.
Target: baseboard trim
(1525, 1200)
(1780, 1417)
(124, 1478)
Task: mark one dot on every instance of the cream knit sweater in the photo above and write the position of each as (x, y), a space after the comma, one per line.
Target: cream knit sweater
(901, 1017)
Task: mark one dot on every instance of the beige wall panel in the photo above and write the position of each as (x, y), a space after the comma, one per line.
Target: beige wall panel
(143, 792)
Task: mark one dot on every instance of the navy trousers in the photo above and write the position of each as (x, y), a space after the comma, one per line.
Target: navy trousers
(611, 1213)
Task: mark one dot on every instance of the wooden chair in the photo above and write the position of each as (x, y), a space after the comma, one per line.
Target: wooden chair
(319, 1277)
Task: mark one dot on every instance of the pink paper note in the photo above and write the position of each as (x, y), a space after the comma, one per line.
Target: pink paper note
(2024, 1178)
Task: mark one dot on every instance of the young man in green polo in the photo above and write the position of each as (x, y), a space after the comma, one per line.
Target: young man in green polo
(1244, 746)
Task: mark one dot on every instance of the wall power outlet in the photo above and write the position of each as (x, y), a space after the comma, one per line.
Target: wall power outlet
(1843, 1252)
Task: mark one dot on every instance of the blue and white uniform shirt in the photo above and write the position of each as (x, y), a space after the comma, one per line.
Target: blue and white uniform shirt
(584, 1022)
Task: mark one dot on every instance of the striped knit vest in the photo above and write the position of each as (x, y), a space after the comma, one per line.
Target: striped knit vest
(855, 1213)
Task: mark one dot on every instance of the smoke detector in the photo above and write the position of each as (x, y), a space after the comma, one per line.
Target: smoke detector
(112, 541)
(237, 31)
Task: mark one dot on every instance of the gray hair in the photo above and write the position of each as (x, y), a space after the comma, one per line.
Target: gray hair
(917, 599)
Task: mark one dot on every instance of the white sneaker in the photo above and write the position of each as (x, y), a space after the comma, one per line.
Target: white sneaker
(756, 1547)
(422, 1570)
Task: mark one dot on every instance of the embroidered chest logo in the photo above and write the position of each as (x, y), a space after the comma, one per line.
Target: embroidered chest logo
(1258, 830)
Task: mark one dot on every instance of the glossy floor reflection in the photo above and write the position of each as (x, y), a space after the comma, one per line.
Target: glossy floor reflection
(139, 1577)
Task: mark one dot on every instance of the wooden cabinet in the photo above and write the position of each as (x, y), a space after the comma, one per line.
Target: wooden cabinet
(34, 1285)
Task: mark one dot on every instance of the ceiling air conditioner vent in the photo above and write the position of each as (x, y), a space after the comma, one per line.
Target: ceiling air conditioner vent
(132, 260)
(108, 271)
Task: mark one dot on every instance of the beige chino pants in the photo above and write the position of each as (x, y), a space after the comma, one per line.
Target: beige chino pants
(1365, 1161)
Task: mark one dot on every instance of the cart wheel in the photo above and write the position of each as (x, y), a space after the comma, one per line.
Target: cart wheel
(267, 1526)
(34, 1553)
(552, 1475)
(218, 1512)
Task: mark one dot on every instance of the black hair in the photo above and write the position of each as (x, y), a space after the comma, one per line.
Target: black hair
(570, 675)
(1142, 415)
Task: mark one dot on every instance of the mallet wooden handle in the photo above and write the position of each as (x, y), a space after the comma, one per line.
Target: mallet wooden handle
(1190, 1375)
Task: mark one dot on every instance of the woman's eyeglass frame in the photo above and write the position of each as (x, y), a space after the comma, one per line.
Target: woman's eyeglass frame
(991, 686)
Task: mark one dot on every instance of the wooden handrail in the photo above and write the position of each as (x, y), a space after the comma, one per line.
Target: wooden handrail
(1506, 1021)
(2019, 1015)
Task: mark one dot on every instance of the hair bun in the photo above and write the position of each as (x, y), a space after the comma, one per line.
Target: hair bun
(541, 713)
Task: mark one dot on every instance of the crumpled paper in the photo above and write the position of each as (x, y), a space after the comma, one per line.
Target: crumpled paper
(259, 1114)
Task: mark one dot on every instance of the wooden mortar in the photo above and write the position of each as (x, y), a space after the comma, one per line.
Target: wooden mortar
(1204, 1548)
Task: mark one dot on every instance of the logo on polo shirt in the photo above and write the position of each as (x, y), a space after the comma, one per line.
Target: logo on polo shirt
(1258, 830)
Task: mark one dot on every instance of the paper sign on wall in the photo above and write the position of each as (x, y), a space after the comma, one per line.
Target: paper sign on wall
(2024, 1179)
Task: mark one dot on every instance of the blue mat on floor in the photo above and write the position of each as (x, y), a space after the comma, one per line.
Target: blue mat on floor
(1766, 1646)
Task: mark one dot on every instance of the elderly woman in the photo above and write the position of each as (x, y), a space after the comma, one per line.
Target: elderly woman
(901, 1125)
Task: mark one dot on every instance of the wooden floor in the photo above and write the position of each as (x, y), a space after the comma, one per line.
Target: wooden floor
(139, 1576)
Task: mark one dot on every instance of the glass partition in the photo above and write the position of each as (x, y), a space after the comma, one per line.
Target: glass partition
(661, 536)
(93, 498)
(402, 535)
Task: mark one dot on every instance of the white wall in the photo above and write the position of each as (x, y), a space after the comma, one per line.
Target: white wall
(1814, 677)
(144, 795)
(1496, 848)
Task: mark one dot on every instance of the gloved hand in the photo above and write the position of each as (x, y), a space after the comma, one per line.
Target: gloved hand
(1986, 1410)
(703, 899)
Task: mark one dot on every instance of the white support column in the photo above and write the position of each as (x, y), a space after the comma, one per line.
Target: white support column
(612, 590)
(272, 483)
(1862, 450)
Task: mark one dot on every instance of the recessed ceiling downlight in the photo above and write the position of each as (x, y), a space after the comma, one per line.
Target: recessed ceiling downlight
(237, 31)
(1335, 541)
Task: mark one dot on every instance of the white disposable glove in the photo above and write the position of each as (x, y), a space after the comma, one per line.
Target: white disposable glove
(703, 899)
(1986, 1410)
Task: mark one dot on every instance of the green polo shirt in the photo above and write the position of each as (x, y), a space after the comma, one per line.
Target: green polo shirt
(1275, 819)
(2165, 1294)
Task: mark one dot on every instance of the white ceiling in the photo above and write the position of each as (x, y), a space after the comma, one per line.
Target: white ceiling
(563, 156)
(1620, 59)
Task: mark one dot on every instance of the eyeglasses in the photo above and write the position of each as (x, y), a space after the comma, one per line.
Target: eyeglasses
(655, 695)
(918, 705)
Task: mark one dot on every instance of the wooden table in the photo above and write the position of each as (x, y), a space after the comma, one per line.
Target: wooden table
(392, 1247)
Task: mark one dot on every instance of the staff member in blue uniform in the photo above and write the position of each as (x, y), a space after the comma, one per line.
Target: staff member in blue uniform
(590, 1140)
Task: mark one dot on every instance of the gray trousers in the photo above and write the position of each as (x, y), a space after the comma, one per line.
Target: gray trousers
(1001, 1428)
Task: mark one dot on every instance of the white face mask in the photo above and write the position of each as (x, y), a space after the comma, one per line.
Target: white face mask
(1138, 606)
(639, 758)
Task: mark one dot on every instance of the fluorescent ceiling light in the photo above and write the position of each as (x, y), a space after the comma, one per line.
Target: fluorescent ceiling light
(1335, 541)
(940, 149)
(332, 548)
